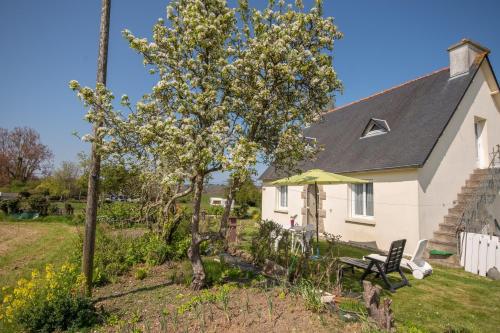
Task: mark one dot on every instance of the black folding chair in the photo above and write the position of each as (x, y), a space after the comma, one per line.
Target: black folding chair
(382, 268)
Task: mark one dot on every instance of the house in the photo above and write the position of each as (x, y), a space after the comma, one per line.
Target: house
(422, 145)
(215, 201)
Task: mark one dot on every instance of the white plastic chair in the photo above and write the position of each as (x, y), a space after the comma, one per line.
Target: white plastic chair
(304, 239)
(417, 265)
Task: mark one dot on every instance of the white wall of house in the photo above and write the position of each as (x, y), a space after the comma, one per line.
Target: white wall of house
(282, 216)
(454, 156)
(395, 194)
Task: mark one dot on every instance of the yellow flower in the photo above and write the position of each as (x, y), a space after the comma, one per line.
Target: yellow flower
(35, 274)
(7, 298)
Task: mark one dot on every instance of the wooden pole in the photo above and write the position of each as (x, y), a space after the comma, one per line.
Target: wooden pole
(95, 164)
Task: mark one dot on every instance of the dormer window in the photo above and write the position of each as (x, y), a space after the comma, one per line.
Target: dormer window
(375, 127)
(310, 141)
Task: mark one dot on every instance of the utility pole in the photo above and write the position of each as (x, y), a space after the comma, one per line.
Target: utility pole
(95, 157)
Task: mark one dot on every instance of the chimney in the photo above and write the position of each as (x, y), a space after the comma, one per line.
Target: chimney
(462, 56)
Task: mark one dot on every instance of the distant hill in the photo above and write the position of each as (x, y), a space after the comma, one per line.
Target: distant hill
(215, 190)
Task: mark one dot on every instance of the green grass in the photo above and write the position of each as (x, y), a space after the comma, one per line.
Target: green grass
(450, 300)
(33, 245)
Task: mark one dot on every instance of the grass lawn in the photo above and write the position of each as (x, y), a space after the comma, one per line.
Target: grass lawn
(25, 246)
(450, 300)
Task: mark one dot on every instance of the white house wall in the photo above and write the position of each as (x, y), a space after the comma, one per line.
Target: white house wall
(454, 156)
(395, 195)
(295, 203)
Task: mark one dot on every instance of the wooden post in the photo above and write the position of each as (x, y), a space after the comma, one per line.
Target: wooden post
(95, 164)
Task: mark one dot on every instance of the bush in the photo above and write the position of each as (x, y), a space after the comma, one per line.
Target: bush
(311, 296)
(215, 210)
(38, 204)
(263, 244)
(122, 214)
(10, 206)
(52, 302)
(54, 210)
(241, 211)
(115, 253)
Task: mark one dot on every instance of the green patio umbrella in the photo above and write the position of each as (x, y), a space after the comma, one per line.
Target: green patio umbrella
(317, 176)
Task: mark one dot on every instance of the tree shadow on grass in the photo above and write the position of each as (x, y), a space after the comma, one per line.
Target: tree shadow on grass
(134, 291)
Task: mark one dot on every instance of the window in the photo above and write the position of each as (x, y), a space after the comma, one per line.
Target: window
(362, 200)
(282, 197)
(375, 127)
(310, 141)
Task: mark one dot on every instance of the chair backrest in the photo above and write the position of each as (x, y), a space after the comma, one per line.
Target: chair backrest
(394, 256)
(418, 256)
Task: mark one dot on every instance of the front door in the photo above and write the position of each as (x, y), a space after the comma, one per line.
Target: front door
(311, 205)
(480, 145)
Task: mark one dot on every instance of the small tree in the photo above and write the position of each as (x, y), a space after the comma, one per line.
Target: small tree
(235, 85)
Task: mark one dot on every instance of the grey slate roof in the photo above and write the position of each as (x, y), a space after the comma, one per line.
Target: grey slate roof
(417, 113)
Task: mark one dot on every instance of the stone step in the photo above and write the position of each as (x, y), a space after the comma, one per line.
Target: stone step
(451, 219)
(464, 197)
(492, 171)
(448, 227)
(469, 189)
(445, 236)
(456, 211)
(481, 171)
(480, 177)
(472, 183)
(442, 246)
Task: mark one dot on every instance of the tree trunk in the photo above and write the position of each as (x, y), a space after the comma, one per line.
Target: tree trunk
(381, 314)
(194, 250)
(95, 164)
(225, 215)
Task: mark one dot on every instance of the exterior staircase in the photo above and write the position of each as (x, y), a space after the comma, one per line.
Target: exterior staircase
(469, 213)
(446, 237)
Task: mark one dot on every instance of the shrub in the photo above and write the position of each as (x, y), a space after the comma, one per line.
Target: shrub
(263, 244)
(311, 296)
(115, 253)
(52, 302)
(141, 273)
(24, 194)
(53, 209)
(10, 206)
(119, 214)
(38, 204)
(215, 210)
(241, 211)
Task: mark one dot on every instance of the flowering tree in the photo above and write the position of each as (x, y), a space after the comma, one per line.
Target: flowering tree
(235, 86)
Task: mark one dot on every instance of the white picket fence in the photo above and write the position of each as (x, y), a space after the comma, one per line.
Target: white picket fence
(479, 252)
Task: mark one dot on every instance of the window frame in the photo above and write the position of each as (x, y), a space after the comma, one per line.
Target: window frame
(279, 195)
(364, 201)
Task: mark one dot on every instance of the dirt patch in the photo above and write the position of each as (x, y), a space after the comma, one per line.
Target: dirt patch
(152, 305)
(13, 235)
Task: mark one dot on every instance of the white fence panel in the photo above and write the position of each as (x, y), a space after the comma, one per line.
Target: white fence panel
(479, 252)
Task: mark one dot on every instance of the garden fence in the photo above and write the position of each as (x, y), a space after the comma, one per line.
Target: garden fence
(479, 252)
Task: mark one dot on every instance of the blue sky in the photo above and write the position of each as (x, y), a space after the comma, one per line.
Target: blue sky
(45, 44)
